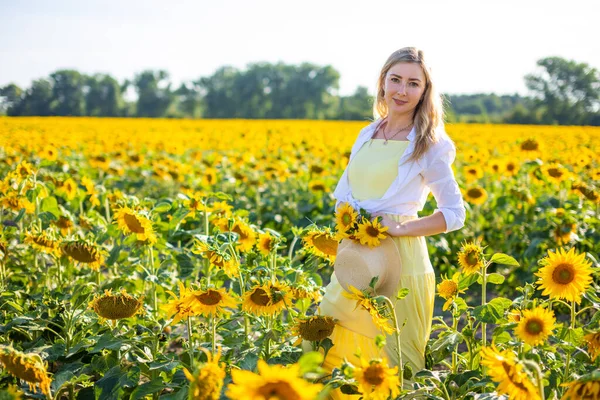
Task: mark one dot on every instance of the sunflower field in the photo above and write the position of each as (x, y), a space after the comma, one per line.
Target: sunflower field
(176, 259)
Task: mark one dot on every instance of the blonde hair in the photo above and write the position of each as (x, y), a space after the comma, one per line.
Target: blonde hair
(429, 113)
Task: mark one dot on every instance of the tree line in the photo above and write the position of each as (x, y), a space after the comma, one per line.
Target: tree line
(562, 92)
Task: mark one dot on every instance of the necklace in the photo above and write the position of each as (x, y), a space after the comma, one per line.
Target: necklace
(402, 129)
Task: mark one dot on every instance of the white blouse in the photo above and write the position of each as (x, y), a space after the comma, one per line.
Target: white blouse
(416, 179)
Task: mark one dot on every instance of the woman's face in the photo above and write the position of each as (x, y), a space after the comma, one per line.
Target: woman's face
(403, 88)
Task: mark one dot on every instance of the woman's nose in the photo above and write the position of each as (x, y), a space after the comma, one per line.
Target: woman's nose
(402, 89)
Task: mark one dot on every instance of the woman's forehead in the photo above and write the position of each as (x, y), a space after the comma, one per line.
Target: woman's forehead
(406, 70)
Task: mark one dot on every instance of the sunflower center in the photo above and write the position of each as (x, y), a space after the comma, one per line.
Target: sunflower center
(534, 326)
(326, 244)
(279, 390)
(529, 145)
(42, 241)
(372, 231)
(260, 297)
(510, 167)
(346, 219)
(81, 252)
(210, 298)
(563, 274)
(238, 230)
(555, 172)
(475, 193)
(472, 258)
(374, 375)
(133, 223)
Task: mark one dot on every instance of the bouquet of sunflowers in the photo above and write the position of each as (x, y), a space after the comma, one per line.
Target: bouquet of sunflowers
(358, 226)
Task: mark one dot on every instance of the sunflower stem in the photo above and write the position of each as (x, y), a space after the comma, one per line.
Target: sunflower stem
(392, 309)
(214, 332)
(538, 377)
(568, 361)
(151, 262)
(190, 342)
(454, 355)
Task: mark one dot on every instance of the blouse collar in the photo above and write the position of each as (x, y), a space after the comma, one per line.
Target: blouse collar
(410, 137)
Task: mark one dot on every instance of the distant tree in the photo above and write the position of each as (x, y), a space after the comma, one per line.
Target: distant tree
(567, 92)
(68, 92)
(188, 100)
(103, 97)
(38, 99)
(154, 93)
(10, 99)
(357, 107)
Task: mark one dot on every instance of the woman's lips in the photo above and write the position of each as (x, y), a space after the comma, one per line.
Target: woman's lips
(400, 102)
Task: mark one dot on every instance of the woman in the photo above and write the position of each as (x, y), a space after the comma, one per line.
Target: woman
(394, 164)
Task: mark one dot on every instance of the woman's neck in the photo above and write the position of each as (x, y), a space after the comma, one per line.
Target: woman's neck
(394, 123)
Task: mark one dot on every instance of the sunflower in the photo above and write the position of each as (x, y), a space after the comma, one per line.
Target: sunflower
(315, 328)
(179, 306)
(593, 344)
(247, 236)
(302, 292)
(511, 167)
(535, 326)
(206, 383)
(470, 257)
(267, 299)
(26, 366)
(345, 217)
(44, 242)
(369, 232)
(68, 189)
(16, 203)
(211, 301)
(448, 290)
(271, 382)
(11, 393)
(24, 169)
(48, 152)
(587, 387)
(84, 252)
(64, 224)
(368, 302)
(222, 209)
(564, 233)
(115, 306)
(555, 172)
(472, 172)
(131, 221)
(514, 315)
(317, 185)
(376, 381)
(266, 243)
(321, 243)
(476, 195)
(194, 204)
(503, 368)
(564, 275)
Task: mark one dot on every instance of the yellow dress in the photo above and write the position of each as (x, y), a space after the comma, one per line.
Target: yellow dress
(370, 173)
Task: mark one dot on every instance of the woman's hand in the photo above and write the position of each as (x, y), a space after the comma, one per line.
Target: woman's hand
(394, 227)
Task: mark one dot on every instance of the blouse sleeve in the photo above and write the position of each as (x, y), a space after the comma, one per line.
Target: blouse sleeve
(439, 177)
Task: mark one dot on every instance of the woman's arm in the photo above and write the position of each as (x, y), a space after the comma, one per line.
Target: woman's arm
(426, 226)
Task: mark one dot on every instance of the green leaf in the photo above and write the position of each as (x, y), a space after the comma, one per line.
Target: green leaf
(467, 280)
(186, 265)
(154, 386)
(111, 385)
(402, 293)
(310, 362)
(495, 278)
(49, 204)
(504, 259)
(445, 344)
(493, 311)
(162, 206)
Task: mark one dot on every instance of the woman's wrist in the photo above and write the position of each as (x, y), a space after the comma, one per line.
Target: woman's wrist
(399, 229)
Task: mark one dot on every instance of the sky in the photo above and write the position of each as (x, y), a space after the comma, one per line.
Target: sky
(472, 46)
